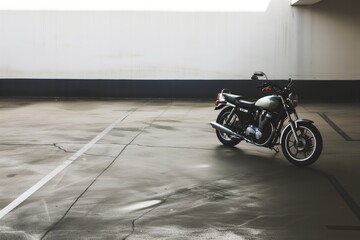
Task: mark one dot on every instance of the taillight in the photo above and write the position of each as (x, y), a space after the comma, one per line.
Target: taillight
(218, 99)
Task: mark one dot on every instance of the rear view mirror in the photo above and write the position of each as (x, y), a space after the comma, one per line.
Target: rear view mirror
(254, 77)
(259, 73)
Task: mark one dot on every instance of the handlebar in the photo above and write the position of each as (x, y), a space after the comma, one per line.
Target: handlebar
(267, 86)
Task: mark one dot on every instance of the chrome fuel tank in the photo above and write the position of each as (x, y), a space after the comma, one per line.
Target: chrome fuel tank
(270, 103)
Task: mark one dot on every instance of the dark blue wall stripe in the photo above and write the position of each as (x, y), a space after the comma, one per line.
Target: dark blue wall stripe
(320, 90)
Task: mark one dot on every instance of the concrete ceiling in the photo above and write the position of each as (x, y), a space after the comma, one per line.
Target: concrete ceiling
(304, 2)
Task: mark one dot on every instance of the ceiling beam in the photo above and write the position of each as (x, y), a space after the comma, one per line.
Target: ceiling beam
(303, 2)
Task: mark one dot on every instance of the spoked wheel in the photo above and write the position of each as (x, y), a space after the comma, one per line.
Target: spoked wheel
(222, 119)
(307, 150)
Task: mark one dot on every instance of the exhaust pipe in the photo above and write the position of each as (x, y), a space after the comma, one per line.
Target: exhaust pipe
(223, 129)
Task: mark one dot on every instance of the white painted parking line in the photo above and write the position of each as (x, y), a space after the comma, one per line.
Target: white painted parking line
(57, 170)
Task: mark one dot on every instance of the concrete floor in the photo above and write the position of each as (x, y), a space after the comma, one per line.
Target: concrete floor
(160, 173)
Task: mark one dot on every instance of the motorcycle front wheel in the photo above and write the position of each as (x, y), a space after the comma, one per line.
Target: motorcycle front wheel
(222, 119)
(307, 150)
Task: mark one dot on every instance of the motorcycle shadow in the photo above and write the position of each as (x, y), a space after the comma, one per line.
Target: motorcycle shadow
(264, 166)
(251, 157)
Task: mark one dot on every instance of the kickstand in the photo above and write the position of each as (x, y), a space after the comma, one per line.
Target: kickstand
(276, 149)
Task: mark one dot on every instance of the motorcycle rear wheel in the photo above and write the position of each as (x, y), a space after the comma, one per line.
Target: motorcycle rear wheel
(307, 150)
(223, 137)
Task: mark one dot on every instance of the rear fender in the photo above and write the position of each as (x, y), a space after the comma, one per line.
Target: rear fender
(224, 104)
(220, 106)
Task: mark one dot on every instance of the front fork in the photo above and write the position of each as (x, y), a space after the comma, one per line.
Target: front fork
(291, 122)
(293, 129)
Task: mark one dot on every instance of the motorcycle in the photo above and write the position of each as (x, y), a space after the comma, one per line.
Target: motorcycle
(262, 123)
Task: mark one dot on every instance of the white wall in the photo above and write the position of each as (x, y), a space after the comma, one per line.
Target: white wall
(313, 42)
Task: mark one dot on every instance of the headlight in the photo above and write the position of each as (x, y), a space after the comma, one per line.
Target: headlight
(294, 99)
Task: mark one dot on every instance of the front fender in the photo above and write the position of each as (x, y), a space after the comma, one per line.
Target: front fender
(296, 125)
(302, 121)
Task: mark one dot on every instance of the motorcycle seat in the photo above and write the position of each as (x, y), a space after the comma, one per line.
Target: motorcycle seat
(232, 98)
(237, 101)
(245, 104)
